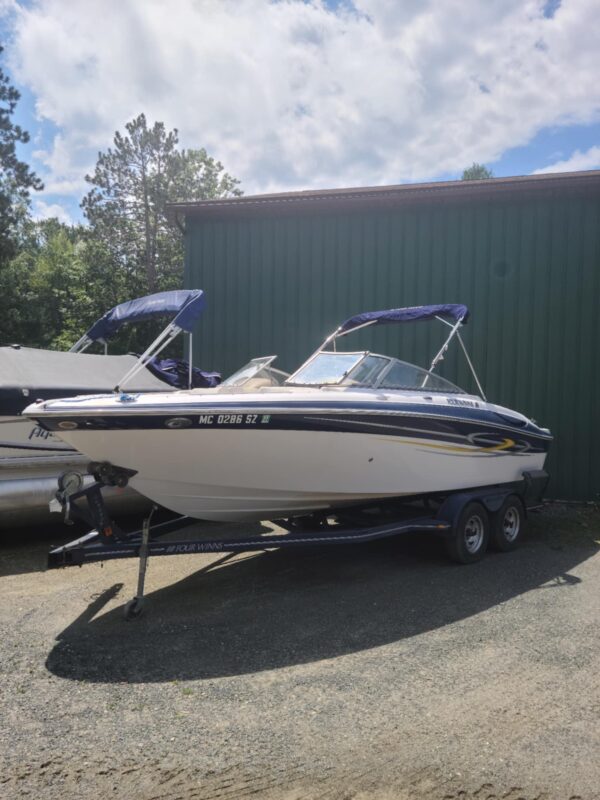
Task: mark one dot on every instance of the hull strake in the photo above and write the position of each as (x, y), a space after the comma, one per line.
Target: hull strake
(228, 472)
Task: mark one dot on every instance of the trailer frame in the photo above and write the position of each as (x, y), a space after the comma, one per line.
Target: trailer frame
(441, 515)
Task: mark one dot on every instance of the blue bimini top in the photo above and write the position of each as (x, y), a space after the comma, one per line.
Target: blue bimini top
(186, 304)
(455, 311)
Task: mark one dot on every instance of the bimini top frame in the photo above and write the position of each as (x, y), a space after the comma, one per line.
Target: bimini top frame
(457, 313)
(185, 304)
(188, 313)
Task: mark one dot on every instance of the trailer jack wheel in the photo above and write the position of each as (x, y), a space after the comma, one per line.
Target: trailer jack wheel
(133, 608)
(470, 534)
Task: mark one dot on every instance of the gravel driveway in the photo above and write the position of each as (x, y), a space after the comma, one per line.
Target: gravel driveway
(372, 671)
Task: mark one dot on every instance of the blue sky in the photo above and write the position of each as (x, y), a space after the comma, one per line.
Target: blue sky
(298, 94)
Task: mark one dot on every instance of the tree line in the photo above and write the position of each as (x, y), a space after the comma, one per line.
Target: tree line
(56, 279)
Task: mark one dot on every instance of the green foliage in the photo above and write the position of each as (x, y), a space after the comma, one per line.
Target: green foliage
(132, 184)
(476, 172)
(16, 179)
(57, 279)
(44, 290)
(61, 281)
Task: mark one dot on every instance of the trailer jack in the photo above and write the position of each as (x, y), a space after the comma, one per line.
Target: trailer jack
(135, 606)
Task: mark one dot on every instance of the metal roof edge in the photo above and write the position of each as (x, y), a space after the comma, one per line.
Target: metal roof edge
(375, 195)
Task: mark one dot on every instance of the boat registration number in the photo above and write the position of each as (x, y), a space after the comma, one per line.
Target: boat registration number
(233, 419)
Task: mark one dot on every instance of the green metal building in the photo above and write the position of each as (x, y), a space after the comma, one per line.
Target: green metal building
(281, 271)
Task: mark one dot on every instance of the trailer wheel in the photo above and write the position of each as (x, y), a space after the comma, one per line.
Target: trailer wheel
(470, 535)
(508, 524)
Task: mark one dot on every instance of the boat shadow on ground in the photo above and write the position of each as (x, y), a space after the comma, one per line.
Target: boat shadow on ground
(281, 608)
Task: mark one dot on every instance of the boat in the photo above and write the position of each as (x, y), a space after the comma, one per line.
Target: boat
(347, 428)
(31, 457)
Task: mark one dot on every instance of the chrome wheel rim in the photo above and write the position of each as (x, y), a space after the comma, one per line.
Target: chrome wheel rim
(511, 524)
(474, 530)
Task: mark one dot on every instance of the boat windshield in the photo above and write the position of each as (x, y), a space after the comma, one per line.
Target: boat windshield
(402, 375)
(367, 369)
(348, 369)
(326, 369)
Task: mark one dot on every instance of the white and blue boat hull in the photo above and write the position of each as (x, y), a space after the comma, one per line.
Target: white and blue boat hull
(282, 453)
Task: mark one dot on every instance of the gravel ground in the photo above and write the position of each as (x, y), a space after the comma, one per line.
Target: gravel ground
(372, 671)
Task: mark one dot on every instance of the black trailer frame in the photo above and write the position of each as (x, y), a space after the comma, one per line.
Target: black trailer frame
(440, 514)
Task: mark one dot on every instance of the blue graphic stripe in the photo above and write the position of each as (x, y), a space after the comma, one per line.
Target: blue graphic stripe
(456, 433)
(449, 412)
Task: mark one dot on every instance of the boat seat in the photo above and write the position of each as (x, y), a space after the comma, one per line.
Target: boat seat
(257, 383)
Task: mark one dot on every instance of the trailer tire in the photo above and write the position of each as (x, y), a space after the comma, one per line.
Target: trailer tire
(508, 524)
(470, 534)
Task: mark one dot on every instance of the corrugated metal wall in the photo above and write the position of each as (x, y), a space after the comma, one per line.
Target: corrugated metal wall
(529, 270)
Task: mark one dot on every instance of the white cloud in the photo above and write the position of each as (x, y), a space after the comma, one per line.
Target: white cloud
(295, 94)
(7, 7)
(43, 210)
(588, 159)
(66, 164)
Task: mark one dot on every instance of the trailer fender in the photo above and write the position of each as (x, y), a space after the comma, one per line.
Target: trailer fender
(453, 505)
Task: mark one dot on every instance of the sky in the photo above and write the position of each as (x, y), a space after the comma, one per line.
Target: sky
(301, 94)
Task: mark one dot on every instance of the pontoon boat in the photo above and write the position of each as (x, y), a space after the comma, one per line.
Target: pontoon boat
(31, 457)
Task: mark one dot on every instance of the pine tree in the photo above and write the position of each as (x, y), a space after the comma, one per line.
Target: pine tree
(132, 183)
(16, 178)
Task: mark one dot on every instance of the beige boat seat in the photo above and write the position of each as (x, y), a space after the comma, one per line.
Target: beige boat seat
(258, 383)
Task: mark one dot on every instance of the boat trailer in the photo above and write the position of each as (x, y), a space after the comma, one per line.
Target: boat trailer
(446, 516)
